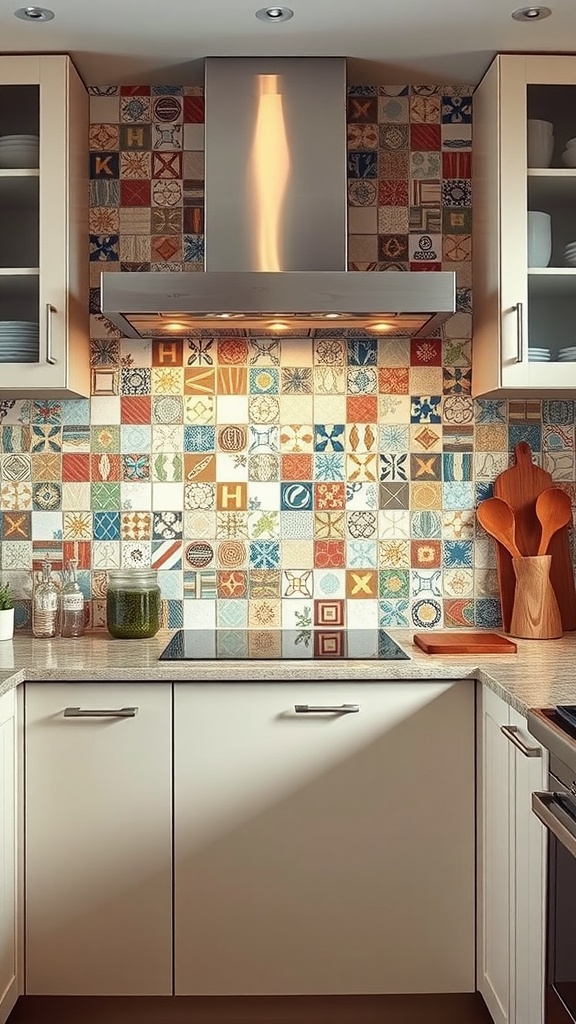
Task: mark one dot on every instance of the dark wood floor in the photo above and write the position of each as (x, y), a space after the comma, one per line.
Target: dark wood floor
(427, 1009)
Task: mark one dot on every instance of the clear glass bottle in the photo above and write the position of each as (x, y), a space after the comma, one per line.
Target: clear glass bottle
(71, 604)
(133, 603)
(45, 604)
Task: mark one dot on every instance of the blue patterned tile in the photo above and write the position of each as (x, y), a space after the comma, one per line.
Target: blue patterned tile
(329, 437)
(263, 380)
(193, 248)
(264, 554)
(558, 412)
(487, 614)
(362, 164)
(107, 526)
(394, 613)
(425, 525)
(458, 495)
(76, 412)
(456, 109)
(199, 439)
(175, 614)
(426, 613)
(47, 411)
(296, 496)
(457, 466)
(458, 553)
(329, 466)
(490, 410)
(362, 351)
(482, 490)
(425, 408)
(529, 432)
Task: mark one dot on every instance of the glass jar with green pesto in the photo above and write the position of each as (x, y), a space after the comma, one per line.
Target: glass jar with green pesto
(133, 603)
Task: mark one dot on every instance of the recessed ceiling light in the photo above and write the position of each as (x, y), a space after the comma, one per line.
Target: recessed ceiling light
(34, 14)
(274, 14)
(531, 13)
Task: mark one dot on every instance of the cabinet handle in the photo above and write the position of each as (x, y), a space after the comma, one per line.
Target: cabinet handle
(49, 310)
(329, 709)
(512, 733)
(98, 713)
(519, 332)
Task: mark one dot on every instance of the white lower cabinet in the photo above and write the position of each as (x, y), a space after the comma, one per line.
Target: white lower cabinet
(98, 839)
(11, 905)
(324, 852)
(511, 865)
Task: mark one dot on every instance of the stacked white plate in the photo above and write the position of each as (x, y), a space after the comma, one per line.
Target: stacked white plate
(538, 355)
(570, 253)
(567, 355)
(18, 341)
(19, 151)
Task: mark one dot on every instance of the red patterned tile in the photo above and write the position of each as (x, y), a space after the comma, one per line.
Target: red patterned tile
(232, 350)
(329, 613)
(166, 165)
(193, 220)
(134, 192)
(296, 467)
(393, 193)
(78, 549)
(393, 380)
(329, 644)
(75, 467)
(135, 409)
(194, 109)
(166, 248)
(363, 109)
(425, 554)
(231, 583)
(329, 496)
(134, 90)
(457, 165)
(425, 352)
(433, 268)
(329, 554)
(362, 408)
(425, 137)
(459, 612)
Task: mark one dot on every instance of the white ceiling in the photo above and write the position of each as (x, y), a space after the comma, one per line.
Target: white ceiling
(385, 41)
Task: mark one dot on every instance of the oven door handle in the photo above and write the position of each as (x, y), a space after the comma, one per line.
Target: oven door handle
(561, 825)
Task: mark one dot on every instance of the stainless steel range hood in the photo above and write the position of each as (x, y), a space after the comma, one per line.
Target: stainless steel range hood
(276, 226)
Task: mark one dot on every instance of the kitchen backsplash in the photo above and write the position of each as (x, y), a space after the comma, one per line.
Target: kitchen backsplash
(310, 481)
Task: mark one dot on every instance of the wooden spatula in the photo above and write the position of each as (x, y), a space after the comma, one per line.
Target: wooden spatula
(554, 510)
(498, 519)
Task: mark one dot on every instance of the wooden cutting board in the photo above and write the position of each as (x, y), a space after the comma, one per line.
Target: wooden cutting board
(464, 643)
(520, 486)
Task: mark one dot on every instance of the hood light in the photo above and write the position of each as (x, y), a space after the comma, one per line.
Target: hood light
(382, 326)
(531, 13)
(34, 14)
(274, 14)
(277, 325)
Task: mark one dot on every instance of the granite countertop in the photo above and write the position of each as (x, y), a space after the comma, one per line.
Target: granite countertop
(541, 674)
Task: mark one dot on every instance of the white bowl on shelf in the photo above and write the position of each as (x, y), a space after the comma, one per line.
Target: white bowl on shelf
(568, 157)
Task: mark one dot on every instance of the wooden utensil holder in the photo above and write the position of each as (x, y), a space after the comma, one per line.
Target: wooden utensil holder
(535, 614)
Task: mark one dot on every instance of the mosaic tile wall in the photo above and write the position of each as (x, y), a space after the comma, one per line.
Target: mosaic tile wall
(328, 481)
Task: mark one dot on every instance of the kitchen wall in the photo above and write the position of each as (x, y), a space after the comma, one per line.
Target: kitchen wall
(328, 481)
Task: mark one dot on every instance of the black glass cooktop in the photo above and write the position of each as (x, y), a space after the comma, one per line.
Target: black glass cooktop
(194, 645)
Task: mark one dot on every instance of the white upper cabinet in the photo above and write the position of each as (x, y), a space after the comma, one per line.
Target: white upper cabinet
(524, 268)
(44, 331)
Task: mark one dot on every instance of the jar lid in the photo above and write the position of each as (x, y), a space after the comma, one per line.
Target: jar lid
(132, 574)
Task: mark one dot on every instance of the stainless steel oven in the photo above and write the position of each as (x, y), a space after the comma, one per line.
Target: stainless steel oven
(557, 811)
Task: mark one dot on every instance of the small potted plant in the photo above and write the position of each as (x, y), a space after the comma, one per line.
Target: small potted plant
(6, 612)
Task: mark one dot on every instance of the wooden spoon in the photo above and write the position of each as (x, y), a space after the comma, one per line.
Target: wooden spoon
(554, 510)
(497, 518)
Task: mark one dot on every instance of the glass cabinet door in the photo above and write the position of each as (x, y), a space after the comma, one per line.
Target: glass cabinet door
(19, 223)
(551, 228)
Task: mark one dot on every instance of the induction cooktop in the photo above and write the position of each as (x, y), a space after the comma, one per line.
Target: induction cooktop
(235, 644)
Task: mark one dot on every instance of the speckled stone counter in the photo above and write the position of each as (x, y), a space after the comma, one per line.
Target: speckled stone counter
(542, 673)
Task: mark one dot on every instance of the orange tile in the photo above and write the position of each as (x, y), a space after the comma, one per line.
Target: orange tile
(329, 496)
(232, 497)
(135, 409)
(75, 467)
(296, 467)
(362, 408)
(232, 380)
(329, 554)
(199, 467)
(232, 351)
(199, 380)
(426, 554)
(167, 351)
(393, 380)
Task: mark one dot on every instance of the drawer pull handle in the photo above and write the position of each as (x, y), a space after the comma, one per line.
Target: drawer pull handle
(100, 713)
(512, 733)
(49, 310)
(329, 709)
